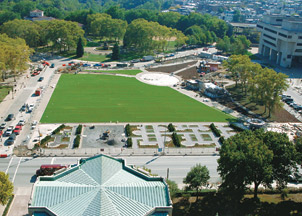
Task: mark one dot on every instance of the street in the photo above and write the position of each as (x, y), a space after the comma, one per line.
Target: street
(22, 170)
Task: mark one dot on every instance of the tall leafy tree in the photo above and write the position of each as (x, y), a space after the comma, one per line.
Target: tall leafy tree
(197, 177)
(6, 188)
(80, 48)
(115, 52)
(255, 158)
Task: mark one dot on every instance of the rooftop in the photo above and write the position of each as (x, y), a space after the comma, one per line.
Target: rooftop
(100, 185)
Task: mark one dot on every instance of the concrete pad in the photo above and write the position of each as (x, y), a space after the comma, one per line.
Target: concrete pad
(20, 203)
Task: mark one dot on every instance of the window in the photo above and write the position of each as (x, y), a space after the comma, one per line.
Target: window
(282, 35)
(272, 31)
(289, 56)
(259, 26)
(270, 37)
(270, 43)
(279, 20)
(300, 37)
(289, 36)
(299, 44)
(298, 50)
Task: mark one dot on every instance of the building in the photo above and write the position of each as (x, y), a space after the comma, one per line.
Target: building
(281, 40)
(37, 15)
(239, 28)
(100, 185)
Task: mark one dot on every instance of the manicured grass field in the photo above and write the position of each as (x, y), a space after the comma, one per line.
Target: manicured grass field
(93, 57)
(128, 72)
(103, 98)
(3, 91)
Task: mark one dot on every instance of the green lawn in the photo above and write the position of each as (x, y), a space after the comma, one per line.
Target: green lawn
(128, 72)
(3, 91)
(102, 98)
(93, 57)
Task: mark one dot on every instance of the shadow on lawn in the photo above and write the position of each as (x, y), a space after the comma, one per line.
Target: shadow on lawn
(214, 204)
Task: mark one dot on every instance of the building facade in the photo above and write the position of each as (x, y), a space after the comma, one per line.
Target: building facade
(281, 40)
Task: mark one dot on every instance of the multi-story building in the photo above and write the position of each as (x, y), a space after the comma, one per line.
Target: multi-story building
(281, 40)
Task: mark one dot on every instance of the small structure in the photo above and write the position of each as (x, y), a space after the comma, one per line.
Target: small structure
(38, 15)
(256, 123)
(192, 85)
(211, 90)
(100, 185)
(206, 67)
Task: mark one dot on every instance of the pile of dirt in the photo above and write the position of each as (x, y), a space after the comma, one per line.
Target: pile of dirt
(172, 68)
(190, 73)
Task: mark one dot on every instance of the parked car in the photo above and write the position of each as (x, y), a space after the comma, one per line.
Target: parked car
(97, 65)
(9, 131)
(9, 117)
(34, 124)
(2, 126)
(71, 63)
(298, 107)
(52, 65)
(40, 79)
(135, 61)
(23, 108)
(30, 108)
(21, 122)
(11, 139)
(106, 65)
(1, 133)
(86, 65)
(288, 100)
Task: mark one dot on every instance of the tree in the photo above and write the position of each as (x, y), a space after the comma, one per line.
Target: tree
(256, 157)
(6, 188)
(298, 146)
(115, 52)
(173, 188)
(80, 48)
(197, 177)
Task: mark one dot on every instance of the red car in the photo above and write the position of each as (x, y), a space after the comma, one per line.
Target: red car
(1, 133)
(18, 127)
(17, 131)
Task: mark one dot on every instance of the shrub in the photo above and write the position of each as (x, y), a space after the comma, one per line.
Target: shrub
(171, 127)
(129, 142)
(215, 130)
(175, 139)
(76, 142)
(127, 130)
(79, 130)
(236, 128)
(56, 131)
(45, 140)
(221, 139)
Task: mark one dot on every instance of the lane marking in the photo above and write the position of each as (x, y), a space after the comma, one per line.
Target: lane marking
(16, 170)
(11, 159)
(52, 160)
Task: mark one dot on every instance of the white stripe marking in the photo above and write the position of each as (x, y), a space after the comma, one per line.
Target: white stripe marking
(11, 159)
(16, 170)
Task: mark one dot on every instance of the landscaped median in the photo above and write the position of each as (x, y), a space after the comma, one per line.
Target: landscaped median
(103, 98)
(127, 72)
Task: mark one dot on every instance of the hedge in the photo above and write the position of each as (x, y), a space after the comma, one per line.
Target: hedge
(79, 130)
(129, 142)
(127, 130)
(236, 128)
(221, 139)
(215, 130)
(10, 200)
(45, 140)
(171, 127)
(56, 131)
(76, 142)
(175, 139)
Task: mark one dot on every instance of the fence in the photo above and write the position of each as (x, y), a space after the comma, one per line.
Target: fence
(128, 152)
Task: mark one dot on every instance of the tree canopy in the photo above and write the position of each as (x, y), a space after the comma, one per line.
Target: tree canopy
(6, 188)
(254, 158)
(197, 177)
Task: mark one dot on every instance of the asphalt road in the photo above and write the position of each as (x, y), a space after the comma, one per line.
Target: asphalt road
(22, 170)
